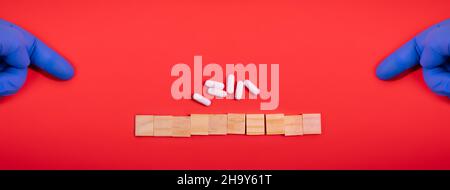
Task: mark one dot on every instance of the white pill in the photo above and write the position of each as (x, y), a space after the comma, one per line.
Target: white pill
(214, 84)
(239, 90)
(230, 84)
(217, 92)
(201, 99)
(251, 87)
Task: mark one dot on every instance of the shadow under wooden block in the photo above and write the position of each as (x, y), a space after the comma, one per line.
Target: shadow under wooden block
(217, 124)
(293, 125)
(312, 124)
(143, 125)
(162, 126)
(199, 124)
(275, 124)
(181, 126)
(236, 124)
(255, 124)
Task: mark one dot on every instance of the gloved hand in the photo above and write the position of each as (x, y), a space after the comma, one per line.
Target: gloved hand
(430, 49)
(19, 49)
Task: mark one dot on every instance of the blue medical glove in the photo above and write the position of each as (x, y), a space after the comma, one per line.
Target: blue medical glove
(19, 49)
(430, 49)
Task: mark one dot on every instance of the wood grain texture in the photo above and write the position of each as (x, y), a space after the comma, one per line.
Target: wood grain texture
(162, 126)
(199, 124)
(236, 124)
(312, 124)
(274, 124)
(143, 125)
(293, 125)
(232, 123)
(217, 124)
(255, 124)
(181, 126)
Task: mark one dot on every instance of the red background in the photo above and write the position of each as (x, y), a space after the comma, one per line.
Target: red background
(123, 52)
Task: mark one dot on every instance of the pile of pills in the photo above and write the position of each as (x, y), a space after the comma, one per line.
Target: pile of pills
(217, 89)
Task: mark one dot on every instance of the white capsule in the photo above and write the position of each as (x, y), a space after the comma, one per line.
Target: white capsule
(214, 84)
(217, 92)
(239, 90)
(201, 99)
(251, 87)
(230, 84)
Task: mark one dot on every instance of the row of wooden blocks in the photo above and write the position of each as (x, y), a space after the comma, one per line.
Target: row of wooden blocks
(223, 124)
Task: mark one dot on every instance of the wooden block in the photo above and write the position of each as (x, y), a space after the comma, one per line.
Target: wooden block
(293, 125)
(311, 124)
(255, 124)
(181, 126)
(275, 124)
(217, 124)
(199, 124)
(236, 124)
(162, 126)
(143, 125)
